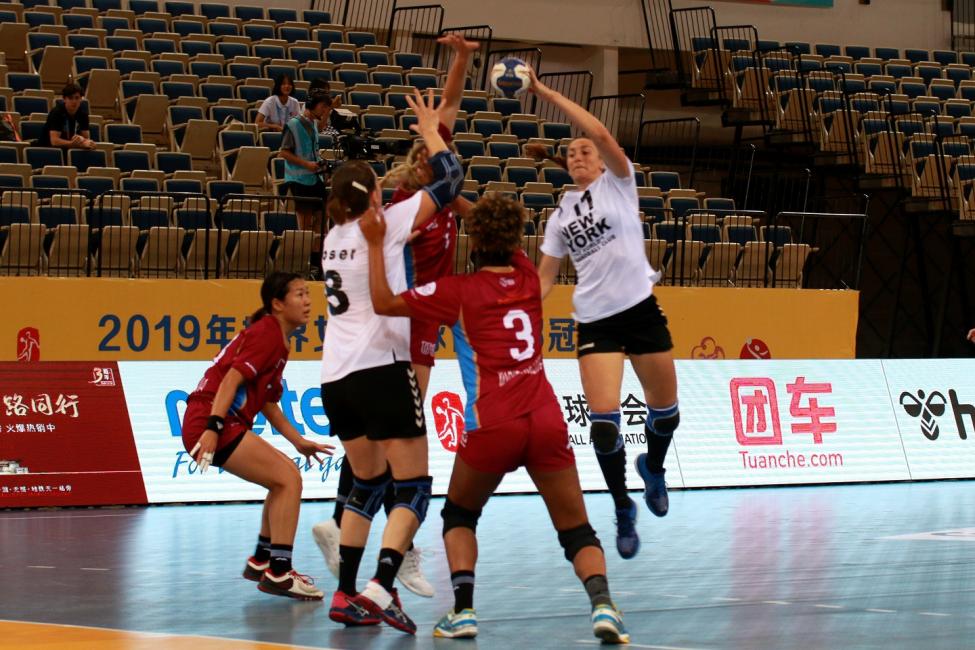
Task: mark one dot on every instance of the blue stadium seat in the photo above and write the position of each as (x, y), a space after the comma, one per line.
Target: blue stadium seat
(223, 29)
(130, 161)
(179, 8)
(146, 218)
(188, 28)
(212, 11)
(144, 6)
(408, 60)
(373, 59)
(171, 162)
(360, 39)
(258, 32)
(95, 185)
(246, 13)
(282, 15)
(887, 53)
(82, 159)
(666, 181)
(39, 157)
(52, 217)
(313, 17)
(279, 222)
(122, 134)
(139, 185)
(45, 186)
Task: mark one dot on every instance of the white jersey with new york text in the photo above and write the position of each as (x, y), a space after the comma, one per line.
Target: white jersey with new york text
(356, 338)
(600, 230)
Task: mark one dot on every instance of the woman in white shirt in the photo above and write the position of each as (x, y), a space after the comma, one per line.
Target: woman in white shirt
(280, 107)
(369, 389)
(598, 227)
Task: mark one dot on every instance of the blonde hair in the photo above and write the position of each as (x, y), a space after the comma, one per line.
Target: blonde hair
(406, 175)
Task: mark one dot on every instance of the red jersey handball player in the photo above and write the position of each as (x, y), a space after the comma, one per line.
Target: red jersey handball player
(244, 380)
(512, 418)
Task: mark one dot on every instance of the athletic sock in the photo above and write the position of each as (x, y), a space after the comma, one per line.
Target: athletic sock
(342, 495)
(463, 583)
(612, 462)
(263, 551)
(598, 589)
(657, 447)
(349, 559)
(280, 558)
(389, 562)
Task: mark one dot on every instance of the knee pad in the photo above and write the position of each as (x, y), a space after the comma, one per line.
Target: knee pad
(413, 494)
(576, 539)
(454, 516)
(366, 497)
(663, 422)
(605, 432)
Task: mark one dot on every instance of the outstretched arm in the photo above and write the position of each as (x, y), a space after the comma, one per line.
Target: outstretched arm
(453, 89)
(384, 301)
(548, 268)
(609, 149)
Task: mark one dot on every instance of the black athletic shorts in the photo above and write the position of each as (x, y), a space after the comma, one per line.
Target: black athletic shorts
(316, 191)
(381, 403)
(641, 329)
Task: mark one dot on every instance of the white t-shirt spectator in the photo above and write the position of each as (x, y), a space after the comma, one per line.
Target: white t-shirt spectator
(275, 112)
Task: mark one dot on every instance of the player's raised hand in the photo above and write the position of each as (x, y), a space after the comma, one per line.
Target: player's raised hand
(458, 43)
(372, 223)
(971, 335)
(427, 118)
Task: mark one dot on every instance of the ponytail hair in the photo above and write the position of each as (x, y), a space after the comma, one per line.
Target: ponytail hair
(275, 287)
(352, 186)
(540, 153)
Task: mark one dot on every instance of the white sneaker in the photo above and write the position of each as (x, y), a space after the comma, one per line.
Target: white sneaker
(292, 584)
(327, 535)
(411, 576)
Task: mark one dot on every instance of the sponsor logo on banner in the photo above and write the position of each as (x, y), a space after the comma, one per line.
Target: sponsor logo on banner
(29, 344)
(755, 349)
(448, 418)
(708, 348)
(102, 377)
(758, 422)
(933, 407)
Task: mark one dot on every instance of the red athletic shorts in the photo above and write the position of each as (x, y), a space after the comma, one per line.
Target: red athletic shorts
(195, 423)
(537, 441)
(423, 342)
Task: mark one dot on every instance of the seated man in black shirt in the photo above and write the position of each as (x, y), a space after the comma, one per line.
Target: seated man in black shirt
(67, 124)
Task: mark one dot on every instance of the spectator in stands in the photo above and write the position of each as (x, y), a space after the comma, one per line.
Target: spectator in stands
(280, 107)
(67, 124)
(8, 129)
(302, 168)
(616, 313)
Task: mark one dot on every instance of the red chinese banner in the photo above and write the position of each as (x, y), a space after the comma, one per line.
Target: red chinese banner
(65, 436)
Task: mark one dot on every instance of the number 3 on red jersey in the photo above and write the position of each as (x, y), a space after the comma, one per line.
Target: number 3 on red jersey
(518, 320)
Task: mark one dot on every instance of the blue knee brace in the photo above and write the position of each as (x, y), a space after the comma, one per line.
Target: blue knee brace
(663, 422)
(413, 494)
(366, 497)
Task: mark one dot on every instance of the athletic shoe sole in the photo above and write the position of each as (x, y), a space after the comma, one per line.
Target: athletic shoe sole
(252, 574)
(391, 621)
(465, 632)
(609, 634)
(274, 590)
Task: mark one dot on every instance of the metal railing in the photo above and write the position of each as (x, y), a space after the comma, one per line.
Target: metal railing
(622, 115)
(670, 144)
(576, 85)
(415, 29)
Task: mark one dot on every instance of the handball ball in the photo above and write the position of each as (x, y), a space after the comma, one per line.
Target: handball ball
(510, 77)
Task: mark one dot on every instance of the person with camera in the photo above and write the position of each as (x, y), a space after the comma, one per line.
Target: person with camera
(303, 168)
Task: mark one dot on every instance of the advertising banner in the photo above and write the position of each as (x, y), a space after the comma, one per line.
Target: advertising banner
(81, 319)
(746, 423)
(65, 437)
(934, 403)
(100, 433)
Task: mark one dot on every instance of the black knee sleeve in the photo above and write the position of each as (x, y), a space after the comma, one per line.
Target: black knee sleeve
(576, 539)
(413, 494)
(663, 422)
(605, 436)
(366, 497)
(454, 516)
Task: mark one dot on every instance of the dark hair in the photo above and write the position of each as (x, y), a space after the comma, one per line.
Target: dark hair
(280, 81)
(316, 98)
(275, 287)
(347, 200)
(496, 225)
(540, 152)
(71, 89)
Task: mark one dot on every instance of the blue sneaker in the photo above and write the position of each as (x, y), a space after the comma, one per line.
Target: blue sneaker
(627, 539)
(656, 491)
(460, 625)
(607, 625)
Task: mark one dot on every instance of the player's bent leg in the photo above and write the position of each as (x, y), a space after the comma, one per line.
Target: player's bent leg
(467, 494)
(658, 377)
(257, 461)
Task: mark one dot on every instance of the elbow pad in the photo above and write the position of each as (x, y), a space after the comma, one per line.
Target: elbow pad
(448, 179)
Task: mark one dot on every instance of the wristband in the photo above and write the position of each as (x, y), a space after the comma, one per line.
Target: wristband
(215, 423)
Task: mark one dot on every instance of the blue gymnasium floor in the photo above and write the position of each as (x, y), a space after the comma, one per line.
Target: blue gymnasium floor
(752, 569)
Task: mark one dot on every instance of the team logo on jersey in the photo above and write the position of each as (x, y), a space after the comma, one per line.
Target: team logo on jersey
(448, 418)
(426, 290)
(506, 282)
